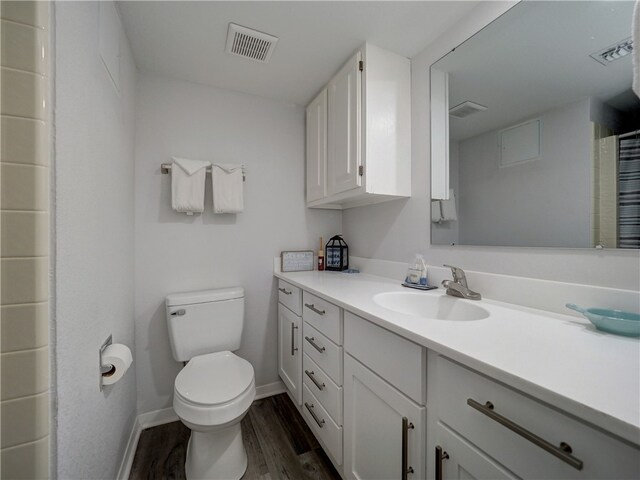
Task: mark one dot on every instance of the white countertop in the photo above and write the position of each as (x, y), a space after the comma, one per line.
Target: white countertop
(559, 359)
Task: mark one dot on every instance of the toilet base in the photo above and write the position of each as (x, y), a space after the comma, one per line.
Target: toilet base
(216, 455)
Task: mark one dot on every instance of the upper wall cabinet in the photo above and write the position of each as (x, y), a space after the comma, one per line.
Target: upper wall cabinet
(359, 133)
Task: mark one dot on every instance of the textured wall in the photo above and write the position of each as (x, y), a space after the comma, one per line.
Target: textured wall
(94, 243)
(25, 241)
(396, 230)
(176, 252)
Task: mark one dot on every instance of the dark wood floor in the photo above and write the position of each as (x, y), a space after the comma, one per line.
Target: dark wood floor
(278, 442)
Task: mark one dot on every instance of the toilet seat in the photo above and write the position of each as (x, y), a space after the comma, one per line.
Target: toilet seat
(214, 389)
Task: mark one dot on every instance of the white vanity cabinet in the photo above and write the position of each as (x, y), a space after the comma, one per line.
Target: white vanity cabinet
(384, 413)
(359, 133)
(290, 339)
(527, 437)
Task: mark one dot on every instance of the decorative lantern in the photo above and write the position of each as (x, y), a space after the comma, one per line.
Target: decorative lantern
(336, 254)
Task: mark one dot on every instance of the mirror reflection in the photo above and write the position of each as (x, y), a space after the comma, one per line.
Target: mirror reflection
(542, 147)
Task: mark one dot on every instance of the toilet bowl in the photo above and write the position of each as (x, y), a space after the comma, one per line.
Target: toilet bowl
(212, 394)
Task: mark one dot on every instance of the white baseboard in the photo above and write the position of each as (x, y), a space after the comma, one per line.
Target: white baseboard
(167, 415)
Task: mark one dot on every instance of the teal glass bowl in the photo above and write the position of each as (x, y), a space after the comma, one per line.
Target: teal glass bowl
(617, 322)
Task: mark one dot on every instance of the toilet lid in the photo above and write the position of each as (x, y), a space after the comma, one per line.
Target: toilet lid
(214, 378)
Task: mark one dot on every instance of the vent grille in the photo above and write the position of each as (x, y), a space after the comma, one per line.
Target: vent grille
(613, 52)
(465, 109)
(251, 44)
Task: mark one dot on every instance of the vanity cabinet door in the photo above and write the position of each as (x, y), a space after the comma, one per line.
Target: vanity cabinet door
(343, 156)
(290, 351)
(376, 417)
(317, 147)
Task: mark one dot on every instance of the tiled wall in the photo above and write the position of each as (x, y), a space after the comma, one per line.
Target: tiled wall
(24, 407)
(605, 187)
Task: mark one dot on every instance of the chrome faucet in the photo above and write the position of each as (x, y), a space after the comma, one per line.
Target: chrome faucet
(458, 286)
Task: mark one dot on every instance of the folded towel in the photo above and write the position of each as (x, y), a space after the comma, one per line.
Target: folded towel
(449, 208)
(187, 185)
(636, 48)
(436, 211)
(226, 180)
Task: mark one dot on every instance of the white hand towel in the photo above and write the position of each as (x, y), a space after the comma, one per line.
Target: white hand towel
(449, 208)
(436, 211)
(636, 48)
(226, 180)
(187, 185)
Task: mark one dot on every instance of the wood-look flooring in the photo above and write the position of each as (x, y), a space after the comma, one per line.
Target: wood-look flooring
(279, 445)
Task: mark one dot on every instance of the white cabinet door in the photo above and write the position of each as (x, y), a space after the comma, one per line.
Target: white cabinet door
(317, 147)
(374, 426)
(344, 122)
(290, 351)
(455, 459)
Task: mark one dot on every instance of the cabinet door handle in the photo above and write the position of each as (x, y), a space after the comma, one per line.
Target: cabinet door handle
(311, 340)
(563, 452)
(314, 380)
(406, 469)
(293, 334)
(285, 291)
(440, 456)
(313, 414)
(313, 308)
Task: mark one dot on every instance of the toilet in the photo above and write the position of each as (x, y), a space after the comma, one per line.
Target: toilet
(214, 391)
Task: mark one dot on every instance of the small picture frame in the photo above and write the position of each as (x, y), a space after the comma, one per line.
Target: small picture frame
(296, 260)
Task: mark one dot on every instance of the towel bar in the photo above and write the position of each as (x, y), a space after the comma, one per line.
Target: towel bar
(165, 168)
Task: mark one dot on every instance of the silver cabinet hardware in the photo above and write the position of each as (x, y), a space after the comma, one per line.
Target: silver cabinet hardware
(406, 469)
(314, 380)
(293, 334)
(285, 291)
(440, 456)
(311, 340)
(563, 452)
(313, 308)
(313, 414)
(179, 313)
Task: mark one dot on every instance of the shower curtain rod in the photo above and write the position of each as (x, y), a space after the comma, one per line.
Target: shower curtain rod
(629, 134)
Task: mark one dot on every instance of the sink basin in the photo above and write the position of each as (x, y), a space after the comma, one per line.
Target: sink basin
(437, 307)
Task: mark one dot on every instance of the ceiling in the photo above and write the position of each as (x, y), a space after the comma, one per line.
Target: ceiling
(186, 40)
(535, 58)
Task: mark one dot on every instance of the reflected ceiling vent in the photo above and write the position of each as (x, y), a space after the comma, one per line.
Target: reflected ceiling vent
(613, 52)
(465, 109)
(251, 44)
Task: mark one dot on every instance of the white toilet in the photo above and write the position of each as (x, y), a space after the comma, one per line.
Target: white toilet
(214, 391)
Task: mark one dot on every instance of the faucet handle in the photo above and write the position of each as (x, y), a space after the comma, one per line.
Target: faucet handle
(458, 275)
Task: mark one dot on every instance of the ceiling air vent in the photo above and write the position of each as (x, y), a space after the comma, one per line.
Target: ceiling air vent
(251, 44)
(613, 52)
(465, 109)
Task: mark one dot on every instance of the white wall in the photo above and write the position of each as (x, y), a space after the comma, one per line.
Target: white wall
(94, 240)
(175, 252)
(396, 230)
(541, 202)
(448, 233)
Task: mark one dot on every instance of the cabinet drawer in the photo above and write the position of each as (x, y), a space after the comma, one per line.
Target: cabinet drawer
(460, 392)
(290, 297)
(326, 430)
(326, 354)
(324, 389)
(324, 316)
(397, 360)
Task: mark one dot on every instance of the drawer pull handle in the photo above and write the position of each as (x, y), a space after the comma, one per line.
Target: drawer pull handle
(440, 456)
(314, 380)
(285, 291)
(313, 414)
(563, 452)
(406, 469)
(293, 334)
(311, 340)
(313, 308)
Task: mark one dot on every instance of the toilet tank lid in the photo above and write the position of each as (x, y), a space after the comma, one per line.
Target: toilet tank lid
(204, 296)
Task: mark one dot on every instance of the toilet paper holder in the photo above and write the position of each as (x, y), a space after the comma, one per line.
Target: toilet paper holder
(104, 368)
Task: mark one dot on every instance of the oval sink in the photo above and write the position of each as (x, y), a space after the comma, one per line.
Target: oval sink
(437, 307)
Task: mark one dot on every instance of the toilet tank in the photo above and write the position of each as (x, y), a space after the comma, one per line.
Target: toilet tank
(206, 321)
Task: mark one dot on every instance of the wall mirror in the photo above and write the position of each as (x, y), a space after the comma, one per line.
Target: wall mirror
(535, 131)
